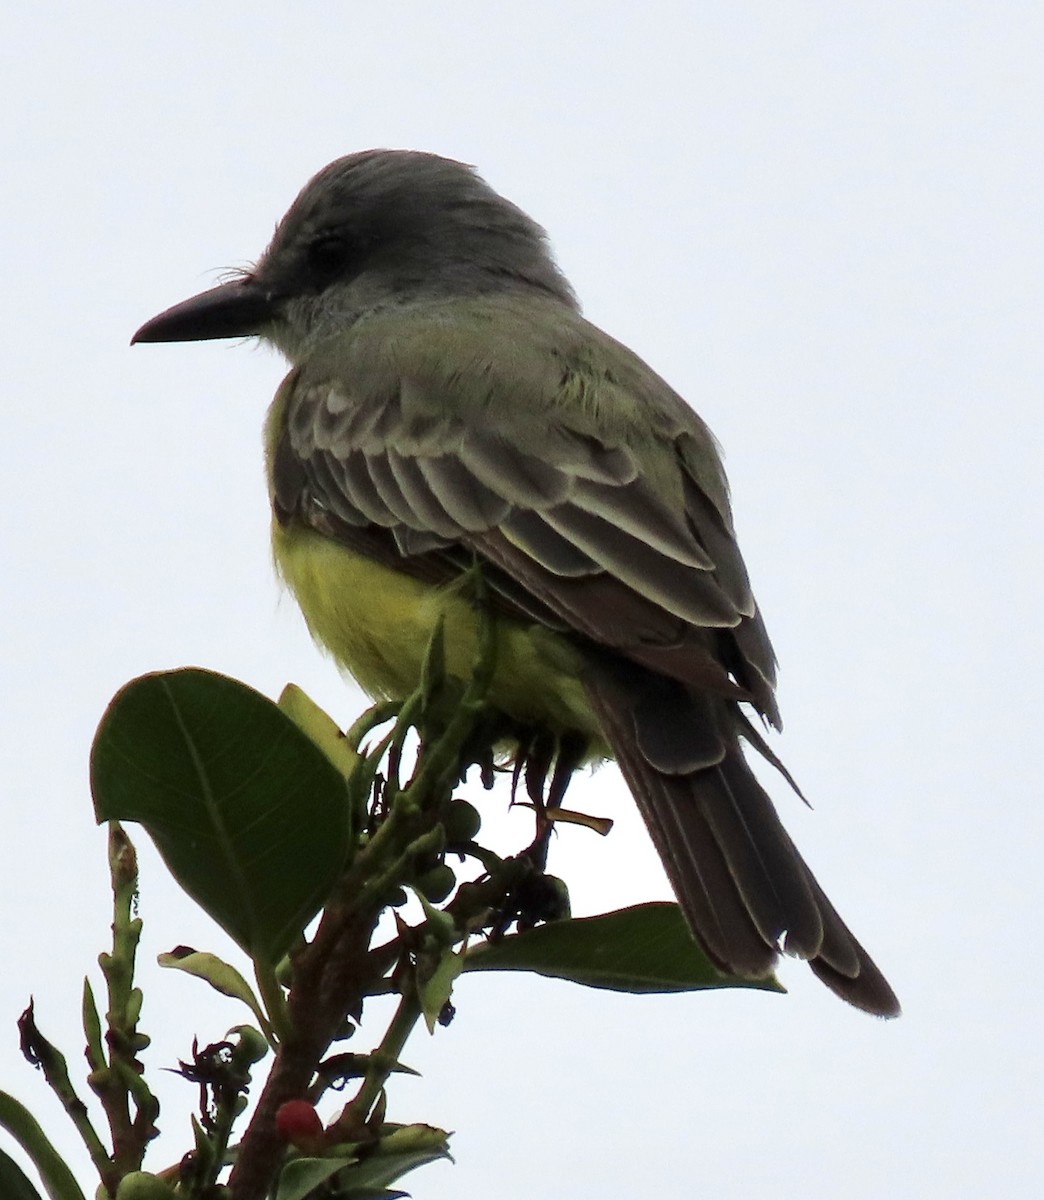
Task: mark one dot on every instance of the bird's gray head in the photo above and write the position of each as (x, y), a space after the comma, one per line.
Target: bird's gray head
(377, 228)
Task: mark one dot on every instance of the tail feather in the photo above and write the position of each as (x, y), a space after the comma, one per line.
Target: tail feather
(696, 868)
(761, 857)
(741, 882)
(869, 991)
(846, 968)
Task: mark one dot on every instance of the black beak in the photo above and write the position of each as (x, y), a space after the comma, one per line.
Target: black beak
(241, 308)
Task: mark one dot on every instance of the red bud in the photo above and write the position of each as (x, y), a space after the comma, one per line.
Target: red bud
(299, 1124)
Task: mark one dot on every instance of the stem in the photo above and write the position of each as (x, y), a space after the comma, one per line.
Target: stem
(43, 1054)
(122, 1079)
(377, 715)
(273, 1001)
(383, 1061)
(377, 885)
(335, 972)
(331, 976)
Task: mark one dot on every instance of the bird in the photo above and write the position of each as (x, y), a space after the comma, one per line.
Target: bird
(448, 405)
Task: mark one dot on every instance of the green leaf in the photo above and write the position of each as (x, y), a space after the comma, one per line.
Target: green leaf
(433, 670)
(301, 1176)
(436, 990)
(647, 948)
(59, 1182)
(320, 727)
(249, 815)
(14, 1183)
(221, 976)
(402, 1150)
(92, 1029)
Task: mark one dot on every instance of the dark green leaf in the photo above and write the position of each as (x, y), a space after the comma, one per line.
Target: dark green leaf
(647, 948)
(403, 1149)
(248, 814)
(377, 1171)
(20, 1123)
(303, 1175)
(14, 1183)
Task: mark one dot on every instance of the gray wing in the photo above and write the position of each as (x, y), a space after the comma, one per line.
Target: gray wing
(610, 513)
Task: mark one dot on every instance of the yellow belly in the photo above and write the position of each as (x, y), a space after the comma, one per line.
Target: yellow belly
(377, 623)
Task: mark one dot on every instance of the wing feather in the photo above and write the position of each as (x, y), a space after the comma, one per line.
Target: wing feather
(385, 482)
(426, 511)
(523, 479)
(682, 589)
(350, 487)
(636, 510)
(530, 533)
(473, 506)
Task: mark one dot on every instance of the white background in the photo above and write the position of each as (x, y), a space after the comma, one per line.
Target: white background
(822, 223)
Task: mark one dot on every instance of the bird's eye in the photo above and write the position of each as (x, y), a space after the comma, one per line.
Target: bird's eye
(328, 255)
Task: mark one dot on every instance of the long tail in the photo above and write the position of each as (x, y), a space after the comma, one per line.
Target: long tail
(744, 888)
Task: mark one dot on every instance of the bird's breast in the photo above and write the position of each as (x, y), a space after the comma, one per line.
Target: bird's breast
(377, 623)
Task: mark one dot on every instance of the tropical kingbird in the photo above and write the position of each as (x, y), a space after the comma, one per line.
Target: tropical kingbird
(448, 403)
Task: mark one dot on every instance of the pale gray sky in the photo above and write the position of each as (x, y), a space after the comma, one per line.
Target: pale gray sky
(823, 224)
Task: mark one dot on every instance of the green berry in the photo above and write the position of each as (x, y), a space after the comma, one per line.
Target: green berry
(461, 822)
(435, 885)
